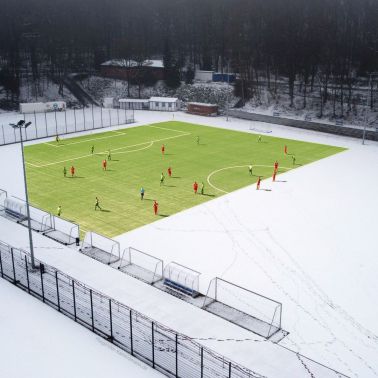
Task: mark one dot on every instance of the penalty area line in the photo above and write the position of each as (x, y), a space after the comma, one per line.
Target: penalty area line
(232, 167)
(105, 152)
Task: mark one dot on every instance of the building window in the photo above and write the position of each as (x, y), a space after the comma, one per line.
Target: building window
(170, 105)
(163, 104)
(157, 104)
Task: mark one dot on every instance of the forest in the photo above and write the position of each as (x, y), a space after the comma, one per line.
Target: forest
(327, 47)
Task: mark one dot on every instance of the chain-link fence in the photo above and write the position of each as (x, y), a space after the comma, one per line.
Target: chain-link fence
(49, 124)
(167, 351)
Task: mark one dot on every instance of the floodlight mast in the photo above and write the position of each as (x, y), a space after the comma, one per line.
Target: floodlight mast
(20, 125)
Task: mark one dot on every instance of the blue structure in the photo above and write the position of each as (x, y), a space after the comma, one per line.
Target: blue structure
(224, 77)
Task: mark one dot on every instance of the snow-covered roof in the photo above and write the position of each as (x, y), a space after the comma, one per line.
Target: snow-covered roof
(133, 100)
(201, 104)
(156, 63)
(163, 99)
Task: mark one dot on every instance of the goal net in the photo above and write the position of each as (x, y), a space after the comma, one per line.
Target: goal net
(141, 265)
(243, 307)
(100, 248)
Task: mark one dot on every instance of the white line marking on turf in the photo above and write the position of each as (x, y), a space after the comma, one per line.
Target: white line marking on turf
(139, 149)
(33, 165)
(53, 145)
(163, 128)
(104, 152)
(87, 140)
(235, 166)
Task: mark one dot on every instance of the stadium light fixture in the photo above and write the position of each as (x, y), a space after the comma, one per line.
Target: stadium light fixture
(22, 125)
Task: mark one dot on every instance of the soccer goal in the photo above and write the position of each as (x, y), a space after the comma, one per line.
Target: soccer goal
(243, 307)
(40, 220)
(141, 265)
(64, 231)
(182, 279)
(100, 248)
(3, 196)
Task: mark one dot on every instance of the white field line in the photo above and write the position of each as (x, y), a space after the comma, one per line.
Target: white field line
(53, 145)
(139, 149)
(107, 137)
(163, 128)
(33, 165)
(104, 152)
(86, 140)
(232, 167)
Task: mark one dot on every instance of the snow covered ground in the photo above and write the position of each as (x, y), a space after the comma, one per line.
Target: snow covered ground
(308, 243)
(49, 344)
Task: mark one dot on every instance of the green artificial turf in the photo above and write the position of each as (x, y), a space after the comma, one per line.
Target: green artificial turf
(137, 161)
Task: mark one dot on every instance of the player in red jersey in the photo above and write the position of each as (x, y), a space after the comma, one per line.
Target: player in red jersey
(162, 149)
(195, 187)
(258, 183)
(274, 175)
(276, 166)
(285, 149)
(156, 207)
(72, 170)
(169, 171)
(104, 164)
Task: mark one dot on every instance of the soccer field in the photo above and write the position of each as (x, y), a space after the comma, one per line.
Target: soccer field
(220, 160)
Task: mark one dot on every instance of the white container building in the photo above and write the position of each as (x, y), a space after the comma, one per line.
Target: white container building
(167, 104)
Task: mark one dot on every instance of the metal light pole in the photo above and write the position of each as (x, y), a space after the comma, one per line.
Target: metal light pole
(20, 125)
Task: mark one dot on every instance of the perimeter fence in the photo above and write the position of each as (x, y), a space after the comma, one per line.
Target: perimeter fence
(48, 124)
(164, 349)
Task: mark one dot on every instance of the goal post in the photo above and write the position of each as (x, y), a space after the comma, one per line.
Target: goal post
(250, 310)
(141, 265)
(100, 248)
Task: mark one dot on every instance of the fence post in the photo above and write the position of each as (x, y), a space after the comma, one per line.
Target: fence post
(118, 115)
(131, 333)
(27, 273)
(35, 124)
(2, 127)
(74, 299)
(91, 298)
(65, 119)
(56, 123)
(84, 116)
(75, 118)
(201, 362)
(229, 369)
(1, 266)
(93, 118)
(102, 123)
(57, 289)
(47, 131)
(111, 320)
(41, 268)
(153, 345)
(110, 117)
(176, 355)
(14, 270)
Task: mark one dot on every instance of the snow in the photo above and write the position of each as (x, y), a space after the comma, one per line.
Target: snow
(163, 99)
(309, 243)
(38, 342)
